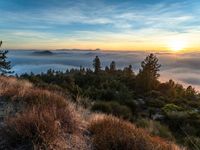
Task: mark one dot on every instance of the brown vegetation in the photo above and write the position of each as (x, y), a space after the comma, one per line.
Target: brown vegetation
(112, 133)
(46, 120)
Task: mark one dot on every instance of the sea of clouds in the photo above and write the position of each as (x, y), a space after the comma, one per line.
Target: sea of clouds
(181, 67)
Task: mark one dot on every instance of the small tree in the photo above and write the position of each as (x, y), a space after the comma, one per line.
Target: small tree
(107, 69)
(112, 66)
(190, 93)
(4, 64)
(128, 70)
(97, 64)
(147, 78)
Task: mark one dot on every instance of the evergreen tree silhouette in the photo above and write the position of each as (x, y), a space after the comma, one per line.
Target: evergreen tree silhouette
(4, 64)
(97, 64)
(147, 78)
(112, 66)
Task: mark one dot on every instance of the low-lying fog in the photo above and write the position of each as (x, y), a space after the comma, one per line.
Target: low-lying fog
(183, 68)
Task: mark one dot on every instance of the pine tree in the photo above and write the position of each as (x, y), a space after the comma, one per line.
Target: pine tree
(107, 69)
(112, 66)
(97, 64)
(190, 93)
(4, 64)
(147, 78)
(128, 70)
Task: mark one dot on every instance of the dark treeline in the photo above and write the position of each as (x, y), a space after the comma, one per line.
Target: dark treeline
(141, 98)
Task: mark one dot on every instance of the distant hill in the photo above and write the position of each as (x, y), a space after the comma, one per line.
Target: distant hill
(45, 52)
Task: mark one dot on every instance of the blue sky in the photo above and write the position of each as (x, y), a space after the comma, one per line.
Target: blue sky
(105, 24)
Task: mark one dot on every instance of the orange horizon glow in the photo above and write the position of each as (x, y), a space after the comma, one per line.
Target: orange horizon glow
(171, 46)
(110, 41)
(103, 24)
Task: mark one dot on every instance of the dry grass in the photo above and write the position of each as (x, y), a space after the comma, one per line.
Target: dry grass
(46, 120)
(42, 127)
(112, 133)
(10, 87)
(23, 91)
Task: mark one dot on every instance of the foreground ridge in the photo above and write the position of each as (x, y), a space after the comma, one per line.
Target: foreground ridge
(42, 119)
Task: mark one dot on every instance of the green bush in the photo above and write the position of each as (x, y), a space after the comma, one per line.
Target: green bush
(157, 103)
(102, 107)
(132, 105)
(155, 128)
(171, 108)
(113, 108)
(193, 143)
(183, 121)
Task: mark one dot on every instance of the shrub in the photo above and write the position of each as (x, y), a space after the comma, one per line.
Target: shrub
(171, 108)
(155, 128)
(40, 97)
(192, 143)
(44, 120)
(111, 133)
(183, 122)
(113, 108)
(12, 88)
(23, 91)
(37, 127)
(101, 107)
(41, 127)
(156, 103)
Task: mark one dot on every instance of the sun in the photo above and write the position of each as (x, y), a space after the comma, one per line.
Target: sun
(176, 45)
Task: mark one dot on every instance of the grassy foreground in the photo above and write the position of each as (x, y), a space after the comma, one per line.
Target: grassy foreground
(33, 118)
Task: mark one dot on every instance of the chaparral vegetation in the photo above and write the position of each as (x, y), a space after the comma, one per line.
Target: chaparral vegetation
(101, 108)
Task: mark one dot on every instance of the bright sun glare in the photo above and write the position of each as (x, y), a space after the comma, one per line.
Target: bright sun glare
(176, 45)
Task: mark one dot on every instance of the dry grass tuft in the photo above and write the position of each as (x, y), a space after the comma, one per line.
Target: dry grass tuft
(41, 126)
(24, 92)
(46, 120)
(111, 133)
(12, 88)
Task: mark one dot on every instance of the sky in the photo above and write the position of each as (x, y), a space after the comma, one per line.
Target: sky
(106, 24)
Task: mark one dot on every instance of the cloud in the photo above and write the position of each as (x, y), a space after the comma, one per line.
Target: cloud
(192, 81)
(173, 67)
(100, 20)
(101, 13)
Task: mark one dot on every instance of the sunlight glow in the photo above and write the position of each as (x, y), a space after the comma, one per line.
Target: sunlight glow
(177, 45)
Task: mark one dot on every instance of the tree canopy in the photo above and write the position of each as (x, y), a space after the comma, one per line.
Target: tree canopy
(147, 79)
(5, 65)
(131, 96)
(97, 64)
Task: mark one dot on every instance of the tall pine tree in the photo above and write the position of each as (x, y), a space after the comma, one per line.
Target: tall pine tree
(4, 64)
(97, 64)
(112, 66)
(147, 78)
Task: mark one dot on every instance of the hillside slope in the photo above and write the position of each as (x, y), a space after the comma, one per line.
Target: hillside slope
(33, 118)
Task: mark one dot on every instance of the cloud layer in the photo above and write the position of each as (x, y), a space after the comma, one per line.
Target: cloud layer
(183, 68)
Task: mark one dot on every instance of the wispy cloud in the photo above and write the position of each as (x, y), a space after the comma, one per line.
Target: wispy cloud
(101, 21)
